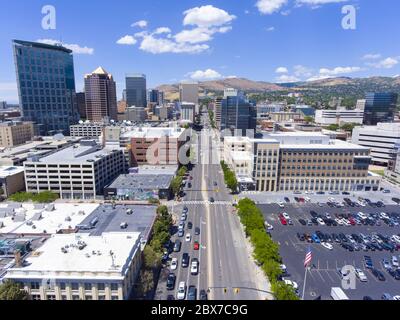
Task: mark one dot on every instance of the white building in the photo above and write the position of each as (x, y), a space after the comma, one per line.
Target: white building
(87, 129)
(381, 139)
(188, 111)
(78, 172)
(189, 92)
(81, 267)
(136, 114)
(339, 116)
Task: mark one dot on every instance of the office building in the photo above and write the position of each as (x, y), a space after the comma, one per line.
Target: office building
(78, 172)
(136, 92)
(339, 116)
(263, 110)
(3, 105)
(300, 161)
(153, 145)
(87, 129)
(379, 107)
(11, 180)
(237, 112)
(81, 103)
(304, 110)
(381, 139)
(285, 116)
(217, 112)
(136, 114)
(46, 85)
(188, 111)
(81, 267)
(100, 95)
(189, 92)
(360, 105)
(15, 133)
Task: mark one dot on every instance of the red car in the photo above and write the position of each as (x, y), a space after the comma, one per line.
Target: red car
(352, 221)
(196, 245)
(283, 221)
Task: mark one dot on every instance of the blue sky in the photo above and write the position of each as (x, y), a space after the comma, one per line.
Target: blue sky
(270, 40)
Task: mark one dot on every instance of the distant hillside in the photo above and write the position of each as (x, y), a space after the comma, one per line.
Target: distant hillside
(319, 89)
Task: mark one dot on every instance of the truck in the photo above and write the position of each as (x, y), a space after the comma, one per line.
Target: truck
(338, 294)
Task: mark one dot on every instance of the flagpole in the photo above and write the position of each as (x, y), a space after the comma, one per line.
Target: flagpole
(305, 279)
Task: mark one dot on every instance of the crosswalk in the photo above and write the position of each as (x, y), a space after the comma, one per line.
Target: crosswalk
(196, 202)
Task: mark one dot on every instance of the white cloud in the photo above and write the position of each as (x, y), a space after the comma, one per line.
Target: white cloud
(207, 16)
(196, 35)
(140, 24)
(270, 6)
(387, 63)
(371, 56)
(319, 2)
(8, 91)
(318, 77)
(270, 29)
(162, 30)
(77, 49)
(231, 77)
(160, 45)
(302, 71)
(201, 75)
(127, 40)
(282, 70)
(285, 78)
(338, 71)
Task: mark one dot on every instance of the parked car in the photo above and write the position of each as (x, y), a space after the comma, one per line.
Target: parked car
(361, 275)
(192, 293)
(174, 263)
(197, 231)
(181, 291)
(203, 295)
(194, 268)
(185, 260)
(177, 245)
(171, 281)
(378, 274)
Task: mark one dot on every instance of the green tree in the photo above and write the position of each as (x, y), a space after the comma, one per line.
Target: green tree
(348, 126)
(309, 119)
(10, 290)
(333, 127)
(283, 291)
(182, 171)
(176, 185)
(151, 258)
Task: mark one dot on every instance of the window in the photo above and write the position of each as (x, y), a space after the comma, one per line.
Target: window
(75, 286)
(101, 286)
(75, 297)
(62, 285)
(35, 296)
(114, 286)
(88, 286)
(35, 285)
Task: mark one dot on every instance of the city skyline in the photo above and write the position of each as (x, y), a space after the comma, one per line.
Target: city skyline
(192, 44)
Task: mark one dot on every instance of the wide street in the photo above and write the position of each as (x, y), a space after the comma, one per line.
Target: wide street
(225, 263)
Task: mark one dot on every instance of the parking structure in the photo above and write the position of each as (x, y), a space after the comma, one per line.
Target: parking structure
(323, 273)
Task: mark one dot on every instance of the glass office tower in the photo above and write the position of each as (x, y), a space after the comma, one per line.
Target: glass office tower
(136, 91)
(237, 113)
(379, 107)
(46, 85)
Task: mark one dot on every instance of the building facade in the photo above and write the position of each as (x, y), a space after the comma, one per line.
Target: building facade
(136, 92)
(100, 96)
(189, 92)
(379, 107)
(78, 172)
(188, 111)
(16, 133)
(46, 85)
(339, 116)
(381, 139)
(11, 180)
(87, 129)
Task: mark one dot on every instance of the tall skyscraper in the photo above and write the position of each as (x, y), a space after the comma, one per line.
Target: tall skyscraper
(136, 92)
(101, 95)
(46, 85)
(81, 102)
(189, 92)
(237, 112)
(153, 96)
(379, 107)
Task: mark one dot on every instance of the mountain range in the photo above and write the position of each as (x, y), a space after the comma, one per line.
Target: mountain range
(337, 86)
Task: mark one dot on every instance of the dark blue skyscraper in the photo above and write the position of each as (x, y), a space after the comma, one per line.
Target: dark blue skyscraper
(379, 107)
(237, 112)
(136, 92)
(46, 85)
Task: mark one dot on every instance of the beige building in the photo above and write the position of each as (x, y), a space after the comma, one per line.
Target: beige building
(189, 92)
(15, 133)
(285, 116)
(11, 180)
(81, 267)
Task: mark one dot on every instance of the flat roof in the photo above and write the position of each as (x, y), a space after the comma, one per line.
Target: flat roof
(78, 153)
(94, 257)
(110, 219)
(29, 218)
(6, 171)
(160, 169)
(142, 181)
(152, 132)
(333, 145)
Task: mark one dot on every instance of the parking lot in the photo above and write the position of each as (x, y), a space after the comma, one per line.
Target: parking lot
(323, 274)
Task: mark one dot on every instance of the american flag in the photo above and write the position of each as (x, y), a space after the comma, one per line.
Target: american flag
(308, 258)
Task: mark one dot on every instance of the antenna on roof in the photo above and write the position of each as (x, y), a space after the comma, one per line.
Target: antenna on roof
(112, 255)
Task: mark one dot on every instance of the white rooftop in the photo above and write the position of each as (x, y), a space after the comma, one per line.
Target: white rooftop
(6, 171)
(36, 220)
(333, 144)
(76, 263)
(152, 132)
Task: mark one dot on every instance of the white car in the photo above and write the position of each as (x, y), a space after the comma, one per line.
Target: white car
(291, 283)
(281, 204)
(395, 238)
(346, 222)
(339, 221)
(327, 245)
(174, 263)
(320, 204)
(188, 237)
(395, 262)
(327, 215)
(194, 268)
(362, 215)
(383, 215)
(181, 291)
(361, 275)
(283, 268)
(361, 203)
(307, 199)
(268, 226)
(286, 216)
(321, 222)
